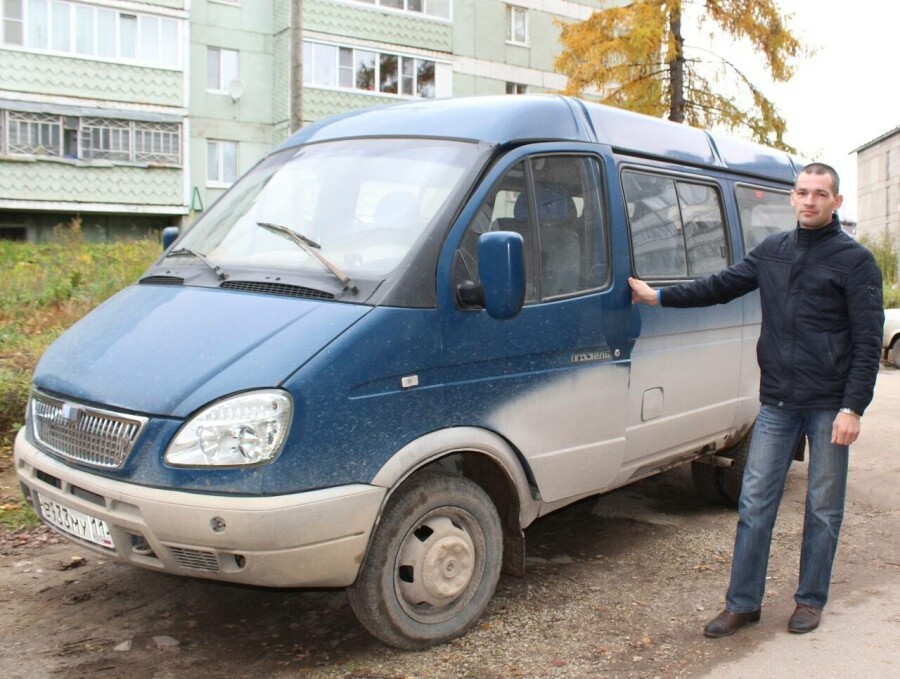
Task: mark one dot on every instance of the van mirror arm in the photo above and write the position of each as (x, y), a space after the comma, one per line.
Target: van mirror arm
(470, 294)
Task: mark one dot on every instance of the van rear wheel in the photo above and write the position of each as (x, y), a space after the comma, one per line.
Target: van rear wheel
(433, 563)
(706, 478)
(732, 478)
(895, 353)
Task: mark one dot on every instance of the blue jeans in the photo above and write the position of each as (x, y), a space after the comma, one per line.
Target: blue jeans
(775, 437)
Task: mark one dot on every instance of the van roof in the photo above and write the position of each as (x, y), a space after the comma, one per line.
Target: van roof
(541, 117)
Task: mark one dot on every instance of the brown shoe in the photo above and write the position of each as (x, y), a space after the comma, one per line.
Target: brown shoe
(727, 623)
(805, 619)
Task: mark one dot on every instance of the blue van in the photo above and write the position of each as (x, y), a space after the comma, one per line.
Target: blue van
(401, 338)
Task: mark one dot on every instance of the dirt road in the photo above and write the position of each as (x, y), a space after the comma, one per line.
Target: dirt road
(619, 586)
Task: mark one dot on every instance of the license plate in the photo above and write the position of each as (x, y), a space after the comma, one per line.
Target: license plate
(75, 523)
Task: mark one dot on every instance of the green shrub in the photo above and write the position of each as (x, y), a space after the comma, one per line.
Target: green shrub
(46, 288)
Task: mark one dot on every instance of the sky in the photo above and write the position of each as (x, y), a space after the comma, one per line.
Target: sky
(848, 93)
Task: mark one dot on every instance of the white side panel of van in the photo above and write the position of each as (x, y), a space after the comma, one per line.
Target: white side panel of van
(684, 392)
(570, 430)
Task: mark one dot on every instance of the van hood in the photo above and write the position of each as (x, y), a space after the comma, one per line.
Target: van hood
(167, 350)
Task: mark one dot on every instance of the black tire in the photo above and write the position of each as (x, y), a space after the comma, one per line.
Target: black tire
(731, 478)
(895, 353)
(433, 563)
(706, 482)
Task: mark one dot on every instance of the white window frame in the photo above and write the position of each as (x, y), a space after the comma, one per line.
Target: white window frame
(516, 88)
(164, 141)
(218, 182)
(116, 139)
(511, 12)
(221, 87)
(12, 21)
(426, 11)
(31, 122)
(310, 67)
(134, 138)
(67, 42)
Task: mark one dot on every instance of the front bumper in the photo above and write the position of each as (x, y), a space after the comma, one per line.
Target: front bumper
(312, 539)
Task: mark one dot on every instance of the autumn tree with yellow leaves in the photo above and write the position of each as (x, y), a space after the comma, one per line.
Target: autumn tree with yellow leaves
(636, 56)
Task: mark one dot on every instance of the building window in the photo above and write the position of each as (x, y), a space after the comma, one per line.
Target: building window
(69, 28)
(34, 134)
(13, 22)
(104, 139)
(40, 134)
(516, 25)
(221, 163)
(157, 143)
(359, 69)
(13, 232)
(222, 68)
(364, 67)
(433, 8)
(516, 88)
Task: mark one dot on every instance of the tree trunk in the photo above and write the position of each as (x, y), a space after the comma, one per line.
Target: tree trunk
(676, 70)
(296, 65)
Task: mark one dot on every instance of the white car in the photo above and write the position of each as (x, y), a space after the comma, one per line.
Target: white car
(891, 342)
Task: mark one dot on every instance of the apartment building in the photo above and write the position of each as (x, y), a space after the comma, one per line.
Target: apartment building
(93, 115)
(135, 115)
(878, 186)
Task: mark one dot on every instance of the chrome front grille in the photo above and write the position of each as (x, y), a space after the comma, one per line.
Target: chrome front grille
(100, 438)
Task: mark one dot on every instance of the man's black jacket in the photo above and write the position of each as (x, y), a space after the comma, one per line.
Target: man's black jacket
(822, 315)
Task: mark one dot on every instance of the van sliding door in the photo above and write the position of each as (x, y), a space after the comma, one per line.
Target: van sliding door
(686, 363)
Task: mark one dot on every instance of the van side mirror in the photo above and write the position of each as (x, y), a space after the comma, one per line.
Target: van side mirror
(501, 268)
(169, 235)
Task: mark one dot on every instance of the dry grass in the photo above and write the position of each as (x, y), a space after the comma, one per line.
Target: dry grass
(46, 288)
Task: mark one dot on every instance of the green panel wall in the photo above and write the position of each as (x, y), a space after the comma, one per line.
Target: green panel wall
(544, 42)
(281, 14)
(28, 72)
(465, 85)
(318, 104)
(281, 64)
(357, 21)
(56, 181)
(281, 78)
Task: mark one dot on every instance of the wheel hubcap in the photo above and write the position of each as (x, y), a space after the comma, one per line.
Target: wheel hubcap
(436, 563)
(448, 567)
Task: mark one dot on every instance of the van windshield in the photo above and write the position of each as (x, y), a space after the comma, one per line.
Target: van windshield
(364, 202)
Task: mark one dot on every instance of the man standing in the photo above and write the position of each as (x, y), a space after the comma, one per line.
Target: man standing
(819, 352)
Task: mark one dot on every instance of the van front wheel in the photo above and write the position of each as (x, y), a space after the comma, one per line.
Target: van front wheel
(433, 564)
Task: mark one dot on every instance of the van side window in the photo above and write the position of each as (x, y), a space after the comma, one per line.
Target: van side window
(553, 202)
(677, 227)
(571, 226)
(763, 212)
(497, 213)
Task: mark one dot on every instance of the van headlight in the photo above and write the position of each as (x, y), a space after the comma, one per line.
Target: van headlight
(247, 429)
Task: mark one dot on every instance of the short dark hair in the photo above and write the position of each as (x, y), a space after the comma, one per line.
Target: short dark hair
(822, 168)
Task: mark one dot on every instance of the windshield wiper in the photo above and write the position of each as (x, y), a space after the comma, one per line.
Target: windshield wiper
(187, 252)
(312, 248)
